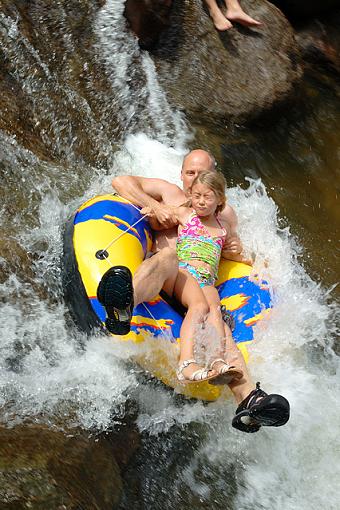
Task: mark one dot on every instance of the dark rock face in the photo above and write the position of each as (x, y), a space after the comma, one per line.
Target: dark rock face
(304, 9)
(148, 18)
(235, 75)
(42, 468)
(319, 41)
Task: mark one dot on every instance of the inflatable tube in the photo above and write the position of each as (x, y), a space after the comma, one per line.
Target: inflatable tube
(155, 325)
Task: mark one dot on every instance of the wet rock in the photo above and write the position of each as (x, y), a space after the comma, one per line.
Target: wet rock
(55, 97)
(235, 75)
(304, 9)
(319, 41)
(148, 18)
(42, 468)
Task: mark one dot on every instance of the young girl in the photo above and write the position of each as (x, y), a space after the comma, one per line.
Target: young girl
(201, 238)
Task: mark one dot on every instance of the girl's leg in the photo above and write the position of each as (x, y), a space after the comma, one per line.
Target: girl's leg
(220, 21)
(189, 293)
(215, 318)
(236, 13)
(224, 335)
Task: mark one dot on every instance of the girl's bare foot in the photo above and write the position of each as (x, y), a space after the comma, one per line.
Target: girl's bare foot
(220, 21)
(239, 16)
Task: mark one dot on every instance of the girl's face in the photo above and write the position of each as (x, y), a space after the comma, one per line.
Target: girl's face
(204, 200)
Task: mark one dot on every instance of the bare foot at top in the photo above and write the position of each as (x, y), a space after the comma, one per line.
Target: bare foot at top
(220, 21)
(239, 16)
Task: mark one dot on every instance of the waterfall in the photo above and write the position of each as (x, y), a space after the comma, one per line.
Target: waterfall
(74, 116)
(142, 103)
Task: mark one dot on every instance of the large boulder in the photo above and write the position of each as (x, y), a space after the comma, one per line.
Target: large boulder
(148, 18)
(235, 75)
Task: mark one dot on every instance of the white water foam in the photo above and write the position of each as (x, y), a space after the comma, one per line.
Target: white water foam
(48, 369)
(292, 467)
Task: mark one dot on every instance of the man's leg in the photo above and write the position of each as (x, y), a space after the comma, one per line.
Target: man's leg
(243, 386)
(119, 293)
(256, 408)
(156, 273)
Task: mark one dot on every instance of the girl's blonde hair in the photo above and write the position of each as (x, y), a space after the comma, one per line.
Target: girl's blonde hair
(216, 182)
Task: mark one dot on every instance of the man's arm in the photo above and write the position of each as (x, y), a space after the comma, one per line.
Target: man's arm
(147, 192)
(237, 257)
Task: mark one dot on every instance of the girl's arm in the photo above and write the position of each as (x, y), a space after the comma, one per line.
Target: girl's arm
(149, 192)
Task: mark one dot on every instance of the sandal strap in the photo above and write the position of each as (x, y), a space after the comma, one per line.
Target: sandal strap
(218, 360)
(199, 375)
(182, 366)
(252, 398)
(223, 369)
(185, 364)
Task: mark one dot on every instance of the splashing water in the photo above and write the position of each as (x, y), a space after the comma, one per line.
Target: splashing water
(49, 369)
(292, 355)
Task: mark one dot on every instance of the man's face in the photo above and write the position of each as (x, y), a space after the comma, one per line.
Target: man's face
(192, 166)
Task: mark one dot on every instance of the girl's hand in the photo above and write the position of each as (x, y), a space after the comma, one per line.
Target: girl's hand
(233, 245)
(147, 211)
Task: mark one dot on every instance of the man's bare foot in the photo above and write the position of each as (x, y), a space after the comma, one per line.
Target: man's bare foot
(220, 21)
(239, 16)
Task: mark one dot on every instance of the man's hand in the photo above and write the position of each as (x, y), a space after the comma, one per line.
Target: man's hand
(233, 245)
(162, 217)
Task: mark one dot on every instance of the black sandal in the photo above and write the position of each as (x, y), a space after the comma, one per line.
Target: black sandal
(260, 409)
(115, 293)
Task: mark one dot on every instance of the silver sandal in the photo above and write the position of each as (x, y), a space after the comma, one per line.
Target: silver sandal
(200, 375)
(226, 374)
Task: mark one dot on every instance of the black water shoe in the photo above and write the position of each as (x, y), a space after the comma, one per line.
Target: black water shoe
(261, 410)
(115, 293)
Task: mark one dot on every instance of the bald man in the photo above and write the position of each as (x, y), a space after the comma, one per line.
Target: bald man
(159, 272)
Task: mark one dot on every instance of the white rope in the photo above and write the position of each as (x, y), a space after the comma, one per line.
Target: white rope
(154, 319)
(125, 231)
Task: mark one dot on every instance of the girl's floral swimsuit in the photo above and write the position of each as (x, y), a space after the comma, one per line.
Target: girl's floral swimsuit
(196, 243)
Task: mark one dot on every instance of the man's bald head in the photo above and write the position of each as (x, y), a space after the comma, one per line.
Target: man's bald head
(199, 158)
(195, 162)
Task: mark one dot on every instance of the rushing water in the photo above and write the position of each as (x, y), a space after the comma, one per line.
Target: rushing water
(191, 457)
